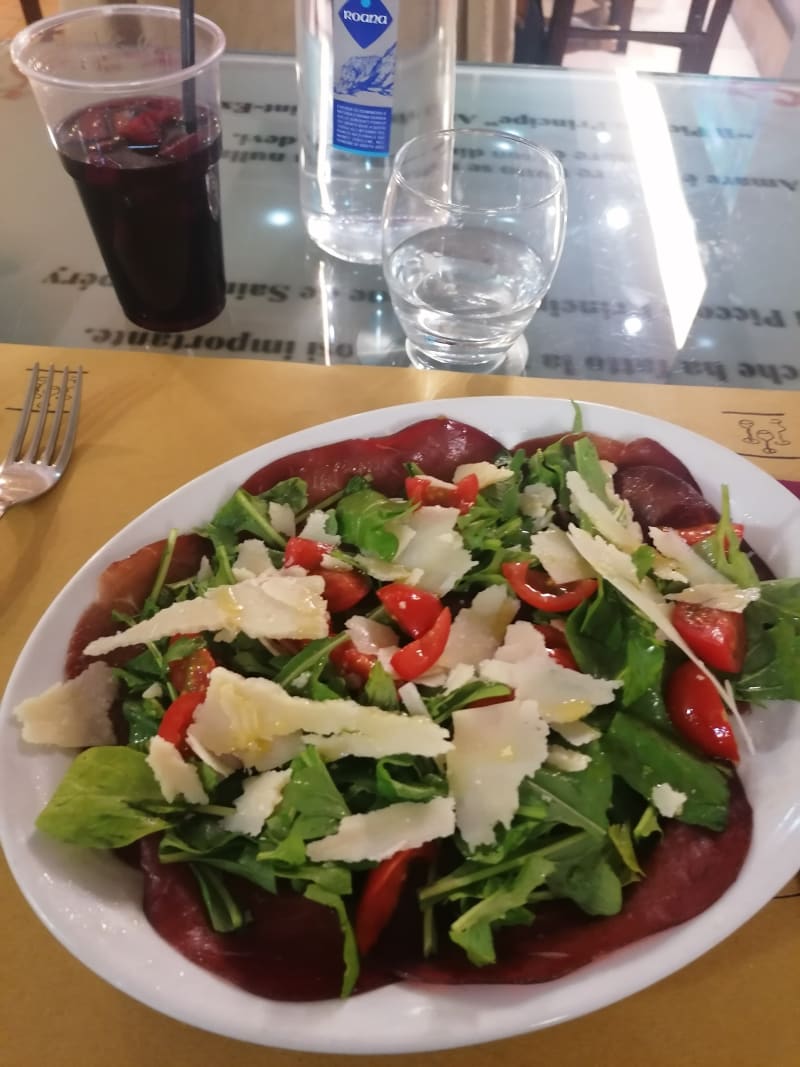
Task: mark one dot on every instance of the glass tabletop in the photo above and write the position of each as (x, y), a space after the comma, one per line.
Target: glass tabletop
(679, 264)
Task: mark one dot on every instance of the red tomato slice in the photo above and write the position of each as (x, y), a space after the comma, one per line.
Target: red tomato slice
(179, 715)
(343, 589)
(692, 535)
(349, 661)
(381, 894)
(415, 658)
(558, 649)
(461, 495)
(697, 712)
(415, 610)
(191, 672)
(718, 637)
(535, 587)
(302, 552)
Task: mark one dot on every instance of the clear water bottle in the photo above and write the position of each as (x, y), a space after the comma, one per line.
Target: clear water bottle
(371, 74)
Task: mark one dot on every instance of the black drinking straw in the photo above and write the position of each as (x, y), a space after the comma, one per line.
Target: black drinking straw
(187, 60)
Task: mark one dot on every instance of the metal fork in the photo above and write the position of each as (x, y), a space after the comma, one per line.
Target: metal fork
(26, 475)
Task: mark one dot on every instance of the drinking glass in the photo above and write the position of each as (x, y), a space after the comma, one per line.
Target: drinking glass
(140, 135)
(473, 228)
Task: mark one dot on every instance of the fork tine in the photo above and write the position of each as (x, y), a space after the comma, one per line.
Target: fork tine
(24, 418)
(44, 404)
(62, 459)
(52, 439)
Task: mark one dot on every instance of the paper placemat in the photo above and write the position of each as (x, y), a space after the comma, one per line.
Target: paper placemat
(149, 423)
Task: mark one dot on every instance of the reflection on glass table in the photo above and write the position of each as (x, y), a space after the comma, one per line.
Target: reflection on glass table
(678, 264)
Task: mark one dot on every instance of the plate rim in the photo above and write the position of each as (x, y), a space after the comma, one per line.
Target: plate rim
(716, 920)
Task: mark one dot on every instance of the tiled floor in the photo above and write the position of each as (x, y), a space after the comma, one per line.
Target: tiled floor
(732, 56)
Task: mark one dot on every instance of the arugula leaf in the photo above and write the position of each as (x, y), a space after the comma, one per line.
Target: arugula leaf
(442, 705)
(408, 778)
(108, 798)
(723, 549)
(771, 668)
(223, 911)
(587, 464)
(143, 718)
(363, 519)
(473, 929)
(349, 948)
(609, 640)
(244, 513)
(581, 800)
(590, 882)
(645, 757)
(380, 690)
(291, 491)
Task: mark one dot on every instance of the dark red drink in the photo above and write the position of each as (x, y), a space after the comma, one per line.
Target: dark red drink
(150, 187)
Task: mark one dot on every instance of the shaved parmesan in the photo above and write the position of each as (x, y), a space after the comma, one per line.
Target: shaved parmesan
(273, 605)
(314, 530)
(260, 796)
(222, 765)
(536, 502)
(478, 630)
(72, 714)
(566, 759)
(282, 518)
(563, 695)
(436, 549)
(577, 733)
(379, 834)
(667, 801)
(243, 716)
(279, 752)
(494, 748)
(369, 636)
(559, 558)
(614, 566)
(412, 700)
(727, 597)
(174, 775)
(252, 559)
(486, 473)
(684, 558)
(626, 535)
(382, 571)
(460, 675)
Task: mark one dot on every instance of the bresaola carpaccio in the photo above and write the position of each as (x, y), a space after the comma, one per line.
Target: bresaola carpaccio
(595, 851)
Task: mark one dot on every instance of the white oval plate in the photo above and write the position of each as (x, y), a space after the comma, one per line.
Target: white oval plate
(91, 902)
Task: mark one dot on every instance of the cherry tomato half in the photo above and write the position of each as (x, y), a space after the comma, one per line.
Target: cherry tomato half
(178, 717)
(718, 637)
(418, 656)
(349, 661)
(190, 673)
(302, 552)
(692, 535)
(343, 589)
(414, 610)
(461, 495)
(535, 587)
(558, 649)
(697, 712)
(381, 894)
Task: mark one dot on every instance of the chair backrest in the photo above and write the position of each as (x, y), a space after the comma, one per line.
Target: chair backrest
(697, 40)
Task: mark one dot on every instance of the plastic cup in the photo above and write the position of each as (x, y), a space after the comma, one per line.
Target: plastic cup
(140, 135)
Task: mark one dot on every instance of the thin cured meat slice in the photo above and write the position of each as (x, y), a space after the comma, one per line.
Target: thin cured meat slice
(660, 498)
(687, 872)
(438, 445)
(124, 587)
(291, 950)
(642, 451)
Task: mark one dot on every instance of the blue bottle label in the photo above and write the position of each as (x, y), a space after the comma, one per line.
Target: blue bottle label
(364, 58)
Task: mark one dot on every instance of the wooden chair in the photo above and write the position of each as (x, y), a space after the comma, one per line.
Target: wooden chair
(31, 10)
(697, 41)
